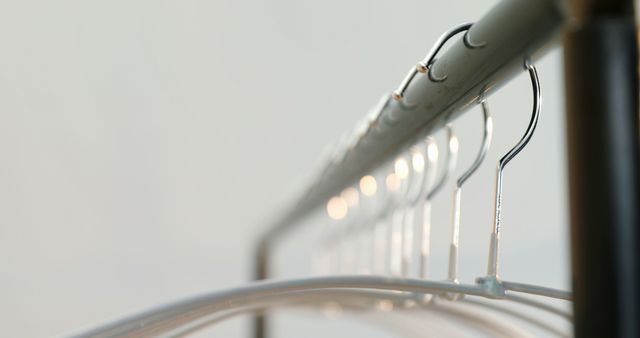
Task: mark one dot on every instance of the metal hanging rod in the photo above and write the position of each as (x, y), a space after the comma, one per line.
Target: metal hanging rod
(490, 53)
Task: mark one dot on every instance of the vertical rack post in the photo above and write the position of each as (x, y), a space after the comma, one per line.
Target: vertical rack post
(261, 271)
(601, 66)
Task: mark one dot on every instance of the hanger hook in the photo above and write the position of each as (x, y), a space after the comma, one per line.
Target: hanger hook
(425, 65)
(495, 235)
(486, 142)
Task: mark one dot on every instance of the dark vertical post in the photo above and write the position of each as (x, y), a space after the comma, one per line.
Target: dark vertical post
(601, 65)
(261, 271)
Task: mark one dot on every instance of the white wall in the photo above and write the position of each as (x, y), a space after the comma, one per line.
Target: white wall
(144, 143)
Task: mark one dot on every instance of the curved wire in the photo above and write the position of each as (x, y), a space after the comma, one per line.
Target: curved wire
(190, 309)
(495, 235)
(539, 305)
(360, 300)
(346, 299)
(455, 231)
(523, 317)
(423, 66)
(480, 318)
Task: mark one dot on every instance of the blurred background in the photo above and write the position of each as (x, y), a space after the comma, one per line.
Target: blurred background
(144, 146)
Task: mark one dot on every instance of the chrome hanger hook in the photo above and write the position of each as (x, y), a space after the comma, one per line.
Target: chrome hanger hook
(495, 235)
(455, 231)
(425, 65)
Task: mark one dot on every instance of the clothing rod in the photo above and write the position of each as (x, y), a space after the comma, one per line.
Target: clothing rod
(510, 32)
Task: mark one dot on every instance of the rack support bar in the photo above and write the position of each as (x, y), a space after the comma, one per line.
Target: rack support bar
(601, 65)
